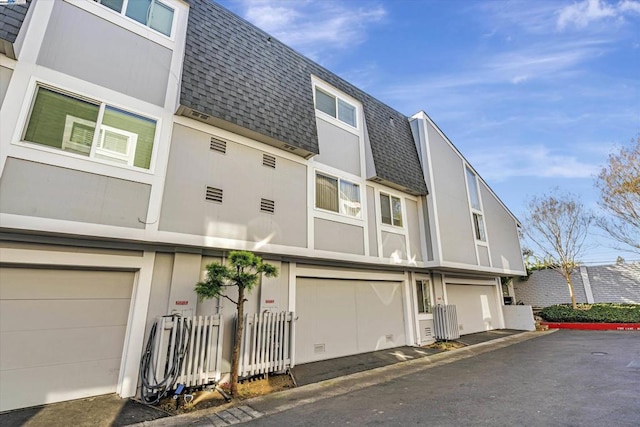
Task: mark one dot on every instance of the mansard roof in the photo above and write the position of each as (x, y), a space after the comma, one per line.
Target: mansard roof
(238, 74)
(11, 18)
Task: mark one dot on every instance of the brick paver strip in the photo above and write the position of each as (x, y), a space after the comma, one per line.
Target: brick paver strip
(217, 421)
(250, 411)
(228, 417)
(242, 416)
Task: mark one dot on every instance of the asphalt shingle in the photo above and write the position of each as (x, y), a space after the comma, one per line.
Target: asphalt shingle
(238, 73)
(11, 18)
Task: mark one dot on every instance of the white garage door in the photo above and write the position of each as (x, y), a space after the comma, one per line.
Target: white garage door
(476, 307)
(342, 317)
(61, 334)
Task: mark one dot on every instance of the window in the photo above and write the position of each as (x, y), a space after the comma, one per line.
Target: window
(152, 13)
(90, 128)
(336, 107)
(472, 184)
(476, 208)
(423, 291)
(478, 227)
(337, 195)
(391, 209)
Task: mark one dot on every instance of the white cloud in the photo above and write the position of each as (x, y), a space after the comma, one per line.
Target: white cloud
(581, 15)
(519, 79)
(550, 60)
(534, 17)
(501, 163)
(314, 27)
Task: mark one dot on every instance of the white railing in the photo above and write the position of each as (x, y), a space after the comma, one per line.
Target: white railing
(201, 337)
(445, 322)
(267, 343)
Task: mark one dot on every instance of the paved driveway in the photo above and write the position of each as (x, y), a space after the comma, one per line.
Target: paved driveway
(569, 378)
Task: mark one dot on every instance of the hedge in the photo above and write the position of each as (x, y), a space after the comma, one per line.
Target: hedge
(594, 313)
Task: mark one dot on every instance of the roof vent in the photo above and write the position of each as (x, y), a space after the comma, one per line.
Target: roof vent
(268, 161)
(199, 115)
(289, 147)
(214, 195)
(218, 145)
(268, 206)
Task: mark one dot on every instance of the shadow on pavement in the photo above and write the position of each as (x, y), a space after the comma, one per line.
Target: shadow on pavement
(100, 411)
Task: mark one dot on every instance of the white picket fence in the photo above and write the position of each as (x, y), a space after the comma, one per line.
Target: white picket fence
(203, 355)
(267, 343)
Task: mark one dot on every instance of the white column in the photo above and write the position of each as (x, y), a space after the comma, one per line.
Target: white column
(587, 284)
(134, 340)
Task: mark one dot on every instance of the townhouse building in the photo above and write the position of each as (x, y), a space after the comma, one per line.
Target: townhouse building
(142, 140)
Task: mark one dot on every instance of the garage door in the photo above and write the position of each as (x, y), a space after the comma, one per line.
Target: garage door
(476, 307)
(342, 317)
(61, 334)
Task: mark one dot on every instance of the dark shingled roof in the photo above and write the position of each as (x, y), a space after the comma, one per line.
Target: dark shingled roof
(237, 73)
(11, 17)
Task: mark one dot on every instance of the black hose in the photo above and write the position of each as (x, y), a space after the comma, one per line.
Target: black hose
(153, 390)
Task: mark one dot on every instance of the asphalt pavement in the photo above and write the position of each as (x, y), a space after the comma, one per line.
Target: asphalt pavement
(568, 378)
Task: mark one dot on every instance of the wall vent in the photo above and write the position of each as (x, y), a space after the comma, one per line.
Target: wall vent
(318, 348)
(389, 337)
(214, 195)
(268, 161)
(427, 332)
(199, 115)
(268, 206)
(218, 145)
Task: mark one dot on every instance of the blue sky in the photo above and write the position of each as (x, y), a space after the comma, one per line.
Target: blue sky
(535, 94)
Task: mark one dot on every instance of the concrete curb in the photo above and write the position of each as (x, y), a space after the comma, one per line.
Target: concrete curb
(288, 399)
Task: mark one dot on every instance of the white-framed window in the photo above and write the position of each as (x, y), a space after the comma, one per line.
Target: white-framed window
(423, 296)
(391, 210)
(336, 107)
(478, 227)
(337, 195)
(476, 206)
(86, 127)
(154, 14)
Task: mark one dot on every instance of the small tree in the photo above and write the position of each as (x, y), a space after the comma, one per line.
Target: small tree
(244, 272)
(558, 225)
(619, 185)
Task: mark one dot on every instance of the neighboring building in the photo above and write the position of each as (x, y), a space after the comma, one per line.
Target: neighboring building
(614, 283)
(139, 146)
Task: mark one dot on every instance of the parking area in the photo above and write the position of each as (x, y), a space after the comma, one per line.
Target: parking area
(569, 378)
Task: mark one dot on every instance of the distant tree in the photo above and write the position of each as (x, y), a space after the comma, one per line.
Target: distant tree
(619, 185)
(243, 272)
(558, 224)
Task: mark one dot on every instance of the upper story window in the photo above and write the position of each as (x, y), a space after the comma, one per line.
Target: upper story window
(336, 107)
(337, 195)
(152, 13)
(476, 208)
(391, 210)
(90, 128)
